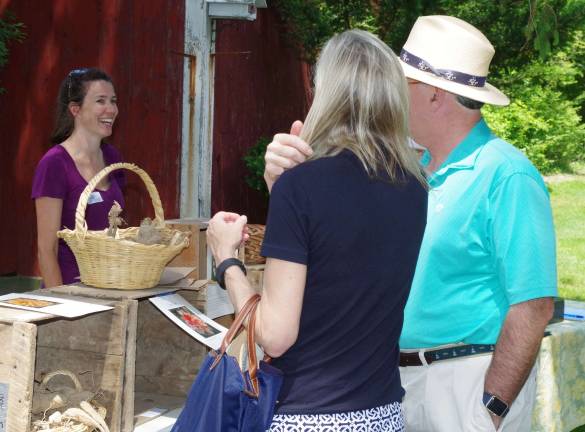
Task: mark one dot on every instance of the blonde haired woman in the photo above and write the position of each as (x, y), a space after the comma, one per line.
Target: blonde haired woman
(342, 240)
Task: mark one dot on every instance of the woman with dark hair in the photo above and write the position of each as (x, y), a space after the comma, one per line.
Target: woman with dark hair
(85, 114)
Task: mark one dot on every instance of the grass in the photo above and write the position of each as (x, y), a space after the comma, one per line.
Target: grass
(568, 202)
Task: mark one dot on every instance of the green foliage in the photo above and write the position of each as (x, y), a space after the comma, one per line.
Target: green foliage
(500, 21)
(9, 31)
(540, 51)
(542, 28)
(254, 160)
(543, 119)
(311, 22)
(544, 125)
(545, 22)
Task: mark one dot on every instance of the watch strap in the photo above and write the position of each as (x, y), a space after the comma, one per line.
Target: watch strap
(495, 405)
(223, 266)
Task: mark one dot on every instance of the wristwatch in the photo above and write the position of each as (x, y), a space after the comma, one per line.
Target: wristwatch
(495, 405)
(223, 266)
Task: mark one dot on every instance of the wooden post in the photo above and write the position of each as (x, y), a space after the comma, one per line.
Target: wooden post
(130, 368)
(22, 351)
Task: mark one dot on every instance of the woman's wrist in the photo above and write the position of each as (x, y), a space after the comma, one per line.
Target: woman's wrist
(223, 255)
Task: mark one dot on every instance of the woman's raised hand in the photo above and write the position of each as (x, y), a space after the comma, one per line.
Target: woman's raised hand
(284, 152)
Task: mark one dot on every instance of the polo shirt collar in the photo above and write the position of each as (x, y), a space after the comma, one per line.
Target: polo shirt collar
(465, 154)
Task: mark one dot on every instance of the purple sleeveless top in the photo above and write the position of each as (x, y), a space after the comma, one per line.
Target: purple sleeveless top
(57, 176)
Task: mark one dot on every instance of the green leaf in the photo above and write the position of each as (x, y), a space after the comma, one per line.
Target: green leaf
(254, 161)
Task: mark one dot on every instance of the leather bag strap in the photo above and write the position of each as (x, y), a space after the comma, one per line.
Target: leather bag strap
(252, 358)
(236, 327)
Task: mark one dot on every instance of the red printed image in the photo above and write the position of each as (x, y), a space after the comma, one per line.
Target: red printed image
(194, 322)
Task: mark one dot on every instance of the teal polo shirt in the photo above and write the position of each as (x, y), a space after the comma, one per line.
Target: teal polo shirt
(489, 243)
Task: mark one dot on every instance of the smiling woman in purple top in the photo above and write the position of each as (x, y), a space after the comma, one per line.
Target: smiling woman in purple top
(86, 112)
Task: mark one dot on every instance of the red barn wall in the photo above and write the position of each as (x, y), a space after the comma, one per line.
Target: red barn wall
(139, 43)
(260, 89)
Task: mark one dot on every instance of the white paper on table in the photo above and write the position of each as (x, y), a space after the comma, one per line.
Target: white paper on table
(51, 305)
(152, 412)
(218, 301)
(190, 319)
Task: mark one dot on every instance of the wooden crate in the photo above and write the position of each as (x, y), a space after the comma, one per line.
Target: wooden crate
(161, 359)
(93, 347)
(196, 254)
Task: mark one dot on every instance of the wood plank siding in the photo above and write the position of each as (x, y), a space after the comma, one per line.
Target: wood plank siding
(260, 89)
(139, 43)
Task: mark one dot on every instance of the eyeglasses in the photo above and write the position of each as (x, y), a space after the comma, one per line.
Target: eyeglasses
(74, 72)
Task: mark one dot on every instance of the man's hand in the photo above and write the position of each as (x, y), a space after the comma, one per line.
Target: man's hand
(496, 420)
(517, 349)
(284, 152)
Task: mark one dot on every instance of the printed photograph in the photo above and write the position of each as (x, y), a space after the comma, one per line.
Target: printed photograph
(28, 302)
(194, 322)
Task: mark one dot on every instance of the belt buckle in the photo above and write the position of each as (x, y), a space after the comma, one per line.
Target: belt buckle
(422, 358)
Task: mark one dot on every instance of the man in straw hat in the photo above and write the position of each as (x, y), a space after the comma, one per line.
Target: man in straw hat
(482, 293)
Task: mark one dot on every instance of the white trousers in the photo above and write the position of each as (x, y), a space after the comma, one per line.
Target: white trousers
(446, 396)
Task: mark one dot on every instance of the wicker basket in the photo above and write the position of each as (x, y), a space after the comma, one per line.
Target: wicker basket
(117, 263)
(252, 247)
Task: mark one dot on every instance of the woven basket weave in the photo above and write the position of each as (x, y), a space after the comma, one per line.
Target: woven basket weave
(253, 245)
(117, 263)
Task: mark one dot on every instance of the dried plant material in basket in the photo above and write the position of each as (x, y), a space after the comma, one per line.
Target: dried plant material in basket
(120, 262)
(89, 417)
(79, 411)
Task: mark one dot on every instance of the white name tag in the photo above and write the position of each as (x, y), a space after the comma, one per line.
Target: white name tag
(95, 197)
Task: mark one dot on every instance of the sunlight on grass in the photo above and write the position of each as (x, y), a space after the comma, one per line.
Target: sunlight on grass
(568, 201)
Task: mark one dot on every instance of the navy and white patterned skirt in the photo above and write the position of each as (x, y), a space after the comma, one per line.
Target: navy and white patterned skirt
(386, 418)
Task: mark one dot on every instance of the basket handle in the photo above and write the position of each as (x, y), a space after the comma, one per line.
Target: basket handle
(64, 372)
(80, 224)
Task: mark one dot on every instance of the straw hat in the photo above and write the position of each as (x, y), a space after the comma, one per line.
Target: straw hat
(450, 54)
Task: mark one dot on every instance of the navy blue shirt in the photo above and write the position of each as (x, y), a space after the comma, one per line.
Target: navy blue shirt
(359, 238)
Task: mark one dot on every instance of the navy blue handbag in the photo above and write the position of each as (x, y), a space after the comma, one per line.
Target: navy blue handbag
(225, 399)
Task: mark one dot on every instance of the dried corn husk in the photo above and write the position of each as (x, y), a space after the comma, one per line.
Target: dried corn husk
(79, 415)
(88, 418)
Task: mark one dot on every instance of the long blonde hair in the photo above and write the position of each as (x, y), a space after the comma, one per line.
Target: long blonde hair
(361, 104)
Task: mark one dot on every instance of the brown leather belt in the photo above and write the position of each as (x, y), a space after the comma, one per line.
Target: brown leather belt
(413, 358)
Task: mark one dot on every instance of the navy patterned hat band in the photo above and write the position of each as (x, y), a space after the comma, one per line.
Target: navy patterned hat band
(450, 75)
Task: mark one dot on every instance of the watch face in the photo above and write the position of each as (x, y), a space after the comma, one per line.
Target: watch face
(497, 406)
